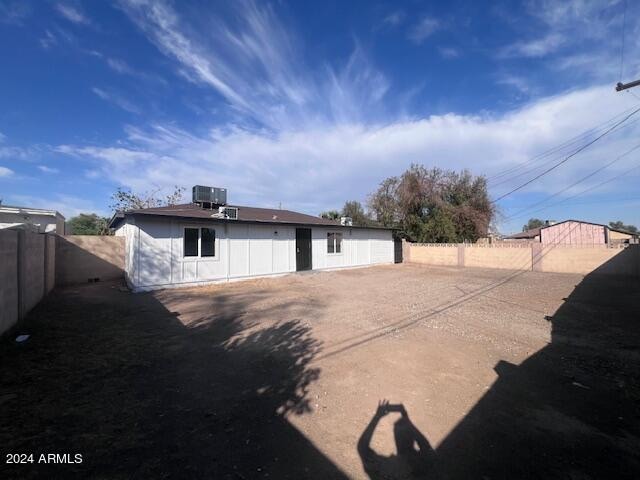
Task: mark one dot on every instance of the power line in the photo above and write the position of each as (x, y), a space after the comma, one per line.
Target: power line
(590, 189)
(586, 177)
(600, 201)
(559, 147)
(555, 158)
(568, 157)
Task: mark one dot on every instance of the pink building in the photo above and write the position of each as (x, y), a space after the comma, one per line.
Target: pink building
(573, 232)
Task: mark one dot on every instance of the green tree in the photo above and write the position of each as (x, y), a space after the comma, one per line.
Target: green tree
(331, 215)
(354, 210)
(434, 205)
(384, 203)
(88, 224)
(533, 223)
(619, 225)
(124, 200)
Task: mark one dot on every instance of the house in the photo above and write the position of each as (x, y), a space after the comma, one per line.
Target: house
(531, 235)
(575, 232)
(207, 242)
(44, 221)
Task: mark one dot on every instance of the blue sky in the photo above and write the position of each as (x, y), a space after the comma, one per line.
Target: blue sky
(311, 104)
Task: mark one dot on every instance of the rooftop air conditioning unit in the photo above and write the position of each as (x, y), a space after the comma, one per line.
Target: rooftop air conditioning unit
(213, 195)
(228, 212)
(346, 221)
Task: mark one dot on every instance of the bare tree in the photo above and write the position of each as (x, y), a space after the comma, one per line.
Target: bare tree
(124, 200)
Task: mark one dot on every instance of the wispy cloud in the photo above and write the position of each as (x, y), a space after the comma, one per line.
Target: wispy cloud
(448, 52)
(394, 18)
(45, 169)
(72, 13)
(123, 68)
(426, 27)
(14, 12)
(539, 47)
(299, 167)
(116, 99)
(55, 36)
(119, 66)
(572, 38)
(48, 40)
(5, 172)
(292, 133)
(254, 64)
(518, 82)
(13, 152)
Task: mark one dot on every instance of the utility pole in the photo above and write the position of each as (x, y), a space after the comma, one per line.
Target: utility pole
(624, 86)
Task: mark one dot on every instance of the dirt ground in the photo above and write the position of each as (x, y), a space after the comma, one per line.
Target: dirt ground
(489, 374)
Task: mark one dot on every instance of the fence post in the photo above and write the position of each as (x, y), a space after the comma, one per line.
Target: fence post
(21, 276)
(45, 267)
(406, 251)
(461, 248)
(536, 257)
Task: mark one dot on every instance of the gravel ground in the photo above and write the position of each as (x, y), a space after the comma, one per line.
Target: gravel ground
(489, 374)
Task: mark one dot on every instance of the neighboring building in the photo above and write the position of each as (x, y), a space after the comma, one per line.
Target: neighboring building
(44, 221)
(532, 235)
(190, 244)
(622, 236)
(575, 232)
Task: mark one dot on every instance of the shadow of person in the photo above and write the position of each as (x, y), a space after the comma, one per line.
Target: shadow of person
(414, 456)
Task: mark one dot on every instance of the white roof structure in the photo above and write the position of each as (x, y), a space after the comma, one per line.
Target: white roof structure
(38, 219)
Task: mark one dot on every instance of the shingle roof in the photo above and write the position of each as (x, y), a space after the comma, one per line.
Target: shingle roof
(245, 214)
(532, 233)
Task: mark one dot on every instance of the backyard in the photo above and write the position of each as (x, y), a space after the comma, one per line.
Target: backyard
(488, 374)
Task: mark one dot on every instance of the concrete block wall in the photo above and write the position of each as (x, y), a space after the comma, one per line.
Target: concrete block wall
(497, 257)
(50, 263)
(31, 264)
(8, 279)
(80, 258)
(538, 257)
(431, 254)
(27, 265)
(581, 259)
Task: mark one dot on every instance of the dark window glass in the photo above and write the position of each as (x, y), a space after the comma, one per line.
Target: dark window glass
(207, 242)
(190, 242)
(330, 245)
(334, 242)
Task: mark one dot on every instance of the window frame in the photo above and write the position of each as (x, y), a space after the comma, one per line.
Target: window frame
(335, 243)
(199, 256)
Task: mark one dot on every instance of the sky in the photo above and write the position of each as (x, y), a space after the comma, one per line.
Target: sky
(307, 105)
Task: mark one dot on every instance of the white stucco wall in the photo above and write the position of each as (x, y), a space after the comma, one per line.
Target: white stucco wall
(154, 251)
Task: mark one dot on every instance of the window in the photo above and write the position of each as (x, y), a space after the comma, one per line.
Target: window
(190, 242)
(207, 242)
(199, 240)
(334, 243)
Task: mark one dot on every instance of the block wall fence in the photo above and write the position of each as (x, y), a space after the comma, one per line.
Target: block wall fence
(31, 264)
(583, 259)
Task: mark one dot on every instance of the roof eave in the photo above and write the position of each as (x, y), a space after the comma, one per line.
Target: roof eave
(115, 220)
